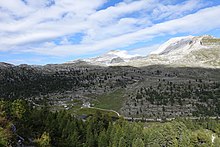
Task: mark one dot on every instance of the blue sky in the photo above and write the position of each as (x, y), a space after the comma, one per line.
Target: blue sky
(57, 31)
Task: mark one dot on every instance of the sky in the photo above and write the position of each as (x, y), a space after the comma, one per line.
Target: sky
(57, 31)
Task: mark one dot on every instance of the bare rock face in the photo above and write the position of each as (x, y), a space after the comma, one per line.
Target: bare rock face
(202, 51)
(117, 60)
(189, 51)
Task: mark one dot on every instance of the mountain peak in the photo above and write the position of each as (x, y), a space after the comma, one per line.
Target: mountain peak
(173, 44)
(181, 51)
(111, 57)
(120, 53)
(182, 45)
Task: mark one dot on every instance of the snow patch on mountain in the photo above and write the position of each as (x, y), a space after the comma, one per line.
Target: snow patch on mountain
(174, 44)
(121, 53)
(111, 57)
(181, 45)
(198, 51)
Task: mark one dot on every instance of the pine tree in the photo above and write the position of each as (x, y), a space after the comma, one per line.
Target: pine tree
(138, 143)
(122, 142)
(44, 140)
(103, 140)
(18, 108)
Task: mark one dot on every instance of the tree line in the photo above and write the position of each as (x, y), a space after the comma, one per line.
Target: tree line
(20, 123)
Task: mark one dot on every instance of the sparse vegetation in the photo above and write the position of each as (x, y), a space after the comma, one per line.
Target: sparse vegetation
(152, 92)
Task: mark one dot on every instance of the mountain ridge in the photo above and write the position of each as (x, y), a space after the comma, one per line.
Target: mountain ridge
(189, 51)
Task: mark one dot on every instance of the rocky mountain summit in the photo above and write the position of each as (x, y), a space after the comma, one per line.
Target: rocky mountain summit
(110, 58)
(202, 51)
(189, 51)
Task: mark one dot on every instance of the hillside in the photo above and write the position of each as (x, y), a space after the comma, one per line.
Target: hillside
(151, 91)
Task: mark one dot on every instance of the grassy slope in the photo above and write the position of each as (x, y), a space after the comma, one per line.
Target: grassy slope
(92, 111)
(111, 101)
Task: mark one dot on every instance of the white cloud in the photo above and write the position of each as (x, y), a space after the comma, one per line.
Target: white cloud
(174, 11)
(108, 15)
(46, 24)
(34, 28)
(144, 50)
(15, 7)
(193, 23)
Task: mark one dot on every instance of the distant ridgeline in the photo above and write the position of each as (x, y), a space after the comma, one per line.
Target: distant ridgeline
(151, 92)
(187, 51)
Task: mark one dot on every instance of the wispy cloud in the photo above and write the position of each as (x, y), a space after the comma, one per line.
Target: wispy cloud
(193, 23)
(48, 26)
(168, 12)
(143, 51)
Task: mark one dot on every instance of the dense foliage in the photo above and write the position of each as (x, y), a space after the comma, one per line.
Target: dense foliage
(21, 123)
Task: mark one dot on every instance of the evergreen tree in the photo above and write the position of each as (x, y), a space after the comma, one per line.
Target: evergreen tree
(201, 138)
(122, 142)
(44, 140)
(103, 140)
(138, 143)
(18, 108)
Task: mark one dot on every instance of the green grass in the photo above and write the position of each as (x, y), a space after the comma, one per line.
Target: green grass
(111, 101)
(92, 111)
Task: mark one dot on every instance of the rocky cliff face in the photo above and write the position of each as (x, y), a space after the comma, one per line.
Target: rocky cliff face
(117, 60)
